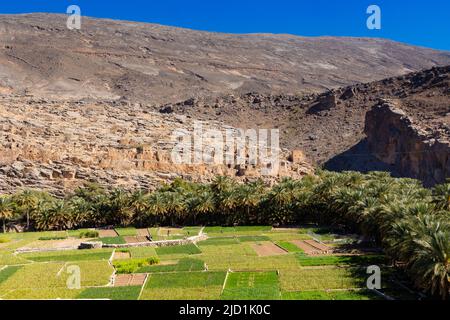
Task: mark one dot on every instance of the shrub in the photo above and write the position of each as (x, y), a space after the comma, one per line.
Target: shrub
(88, 234)
(132, 265)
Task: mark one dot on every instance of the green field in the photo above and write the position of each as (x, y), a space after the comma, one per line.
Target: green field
(225, 266)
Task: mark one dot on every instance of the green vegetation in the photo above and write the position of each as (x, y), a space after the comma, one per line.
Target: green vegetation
(365, 260)
(88, 234)
(111, 293)
(141, 252)
(185, 264)
(331, 295)
(7, 272)
(322, 278)
(187, 272)
(69, 255)
(253, 238)
(251, 286)
(219, 241)
(176, 250)
(133, 265)
(7, 258)
(112, 240)
(124, 232)
(410, 222)
(184, 285)
(288, 246)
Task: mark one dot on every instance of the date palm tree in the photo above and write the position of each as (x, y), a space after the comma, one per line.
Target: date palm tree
(120, 210)
(201, 203)
(156, 207)
(139, 204)
(423, 243)
(27, 200)
(441, 195)
(6, 210)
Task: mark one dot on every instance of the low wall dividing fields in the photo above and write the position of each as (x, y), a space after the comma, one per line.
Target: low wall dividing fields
(161, 243)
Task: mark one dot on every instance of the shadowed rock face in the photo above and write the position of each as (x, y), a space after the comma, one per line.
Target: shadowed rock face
(395, 139)
(156, 64)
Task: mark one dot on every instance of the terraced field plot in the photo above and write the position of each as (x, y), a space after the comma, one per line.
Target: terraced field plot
(251, 286)
(184, 285)
(233, 263)
(166, 233)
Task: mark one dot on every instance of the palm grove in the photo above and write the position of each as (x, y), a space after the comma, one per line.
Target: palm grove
(411, 223)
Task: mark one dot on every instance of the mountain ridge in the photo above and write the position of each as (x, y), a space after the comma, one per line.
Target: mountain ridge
(155, 64)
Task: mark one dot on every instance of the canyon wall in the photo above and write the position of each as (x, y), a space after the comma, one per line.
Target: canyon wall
(415, 151)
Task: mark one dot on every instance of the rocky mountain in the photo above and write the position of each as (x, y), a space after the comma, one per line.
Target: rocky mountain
(154, 64)
(59, 145)
(102, 103)
(329, 127)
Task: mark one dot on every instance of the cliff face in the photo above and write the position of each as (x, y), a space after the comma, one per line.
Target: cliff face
(58, 146)
(414, 151)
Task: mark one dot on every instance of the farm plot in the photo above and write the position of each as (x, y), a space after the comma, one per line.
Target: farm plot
(185, 264)
(311, 247)
(7, 271)
(358, 260)
(112, 240)
(158, 234)
(285, 236)
(111, 293)
(123, 280)
(219, 241)
(93, 273)
(288, 246)
(257, 269)
(69, 255)
(172, 252)
(184, 285)
(362, 294)
(126, 232)
(107, 233)
(237, 231)
(35, 276)
(251, 286)
(319, 279)
(121, 255)
(59, 244)
(242, 263)
(135, 239)
(141, 252)
(142, 232)
(8, 258)
(267, 248)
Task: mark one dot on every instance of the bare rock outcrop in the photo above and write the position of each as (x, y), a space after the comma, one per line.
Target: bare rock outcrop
(414, 150)
(59, 145)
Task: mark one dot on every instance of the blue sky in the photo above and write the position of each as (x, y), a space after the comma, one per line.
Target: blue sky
(420, 22)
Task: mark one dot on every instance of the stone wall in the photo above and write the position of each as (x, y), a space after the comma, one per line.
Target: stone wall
(162, 243)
